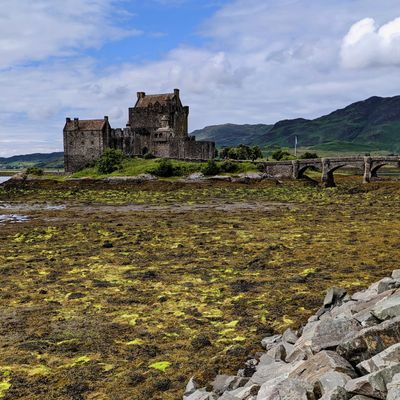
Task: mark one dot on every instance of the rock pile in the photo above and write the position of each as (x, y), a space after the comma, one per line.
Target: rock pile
(349, 350)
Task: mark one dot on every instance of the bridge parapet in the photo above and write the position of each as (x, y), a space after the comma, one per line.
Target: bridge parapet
(295, 169)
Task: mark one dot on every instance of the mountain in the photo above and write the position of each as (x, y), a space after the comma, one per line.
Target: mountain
(41, 160)
(231, 134)
(373, 124)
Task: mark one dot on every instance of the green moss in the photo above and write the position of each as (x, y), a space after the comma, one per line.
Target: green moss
(160, 365)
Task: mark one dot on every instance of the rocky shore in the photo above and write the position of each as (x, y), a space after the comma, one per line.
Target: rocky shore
(349, 350)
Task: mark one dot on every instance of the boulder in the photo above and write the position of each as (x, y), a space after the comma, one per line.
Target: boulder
(222, 383)
(361, 397)
(220, 178)
(334, 296)
(272, 371)
(373, 385)
(370, 341)
(244, 393)
(396, 275)
(278, 352)
(201, 394)
(196, 176)
(394, 388)
(332, 383)
(336, 394)
(387, 308)
(386, 358)
(313, 369)
(289, 336)
(191, 387)
(331, 332)
(269, 341)
(386, 284)
(288, 389)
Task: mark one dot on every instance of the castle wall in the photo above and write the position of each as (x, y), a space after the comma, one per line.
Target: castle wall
(82, 148)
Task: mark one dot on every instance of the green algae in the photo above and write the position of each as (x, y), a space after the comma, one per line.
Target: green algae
(231, 276)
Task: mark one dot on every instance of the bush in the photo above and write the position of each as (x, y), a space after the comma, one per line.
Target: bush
(166, 169)
(229, 166)
(280, 155)
(308, 155)
(34, 171)
(110, 161)
(211, 168)
(149, 156)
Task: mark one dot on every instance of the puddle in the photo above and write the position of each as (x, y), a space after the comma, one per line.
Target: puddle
(13, 218)
(31, 207)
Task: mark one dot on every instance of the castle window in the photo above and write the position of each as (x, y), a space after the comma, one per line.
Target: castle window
(82, 142)
(92, 142)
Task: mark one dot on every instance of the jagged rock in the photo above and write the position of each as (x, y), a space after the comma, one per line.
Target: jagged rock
(196, 176)
(370, 341)
(387, 308)
(321, 363)
(272, 371)
(334, 296)
(289, 336)
(245, 393)
(375, 384)
(361, 397)
(366, 319)
(201, 394)
(336, 394)
(387, 358)
(278, 352)
(332, 331)
(288, 389)
(269, 341)
(191, 387)
(394, 388)
(20, 176)
(385, 284)
(221, 383)
(332, 383)
(396, 274)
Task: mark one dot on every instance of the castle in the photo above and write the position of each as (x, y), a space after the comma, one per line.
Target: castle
(158, 124)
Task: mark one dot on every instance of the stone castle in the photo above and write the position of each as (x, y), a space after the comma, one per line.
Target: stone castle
(158, 124)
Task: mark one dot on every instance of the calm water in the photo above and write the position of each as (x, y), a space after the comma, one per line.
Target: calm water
(4, 178)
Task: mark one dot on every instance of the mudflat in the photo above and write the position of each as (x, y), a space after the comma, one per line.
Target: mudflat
(126, 291)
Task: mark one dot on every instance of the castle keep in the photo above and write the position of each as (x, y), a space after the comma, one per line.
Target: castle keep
(158, 124)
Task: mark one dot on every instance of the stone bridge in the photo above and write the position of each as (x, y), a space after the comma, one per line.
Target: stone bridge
(295, 169)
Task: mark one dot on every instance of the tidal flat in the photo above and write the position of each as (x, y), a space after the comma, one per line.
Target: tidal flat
(126, 291)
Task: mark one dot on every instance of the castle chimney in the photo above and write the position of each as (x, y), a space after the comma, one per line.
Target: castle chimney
(76, 122)
(106, 118)
(176, 93)
(140, 95)
(68, 119)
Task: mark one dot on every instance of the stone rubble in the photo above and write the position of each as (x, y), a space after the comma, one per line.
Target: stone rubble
(350, 350)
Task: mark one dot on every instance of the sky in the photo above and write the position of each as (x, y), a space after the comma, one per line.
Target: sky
(236, 61)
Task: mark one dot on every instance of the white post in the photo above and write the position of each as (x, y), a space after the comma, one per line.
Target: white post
(295, 146)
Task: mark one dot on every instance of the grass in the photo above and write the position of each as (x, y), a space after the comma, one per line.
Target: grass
(130, 290)
(137, 166)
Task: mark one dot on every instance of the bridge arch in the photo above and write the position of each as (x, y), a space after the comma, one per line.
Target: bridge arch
(302, 170)
(330, 166)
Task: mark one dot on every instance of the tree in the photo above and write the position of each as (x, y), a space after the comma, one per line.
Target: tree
(256, 153)
(110, 161)
(308, 155)
(280, 154)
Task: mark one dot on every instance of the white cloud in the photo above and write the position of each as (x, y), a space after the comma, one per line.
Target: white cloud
(34, 30)
(367, 45)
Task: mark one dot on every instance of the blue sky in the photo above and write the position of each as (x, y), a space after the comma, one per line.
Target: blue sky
(238, 61)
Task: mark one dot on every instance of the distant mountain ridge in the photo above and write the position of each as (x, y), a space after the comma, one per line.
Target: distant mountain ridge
(372, 124)
(44, 160)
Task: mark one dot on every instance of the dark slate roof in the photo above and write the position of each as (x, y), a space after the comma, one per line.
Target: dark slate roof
(153, 98)
(87, 125)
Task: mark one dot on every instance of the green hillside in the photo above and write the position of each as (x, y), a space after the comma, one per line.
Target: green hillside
(41, 160)
(369, 125)
(231, 134)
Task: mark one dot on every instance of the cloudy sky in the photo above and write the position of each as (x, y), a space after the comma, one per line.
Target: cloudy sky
(239, 61)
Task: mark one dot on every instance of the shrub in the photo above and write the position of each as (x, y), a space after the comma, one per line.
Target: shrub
(149, 156)
(166, 169)
(308, 155)
(280, 155)
(229, 166)
(34, 171)
(211, 168)
(110, 161)
(256, 153)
